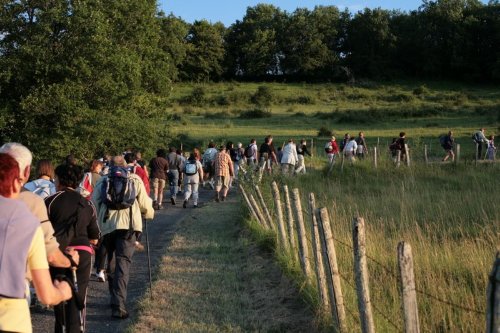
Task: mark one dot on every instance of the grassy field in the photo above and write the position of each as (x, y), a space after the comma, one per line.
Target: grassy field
(448, 213)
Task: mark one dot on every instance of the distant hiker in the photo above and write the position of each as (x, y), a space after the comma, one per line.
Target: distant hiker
(362, 149)
(134, 167)
(159, 170)
(345, 141)
(289, 158)
(74, 221)
(21, 249)
(279, 155)
(183, 159)
(174, 165)
(251, 154)
(273, 159)
(223, 171)
(331, 150)
(492, 149)
(479, 139)
(399, 147)
(193, 174)
(208, 164)
(121, 199)
(350, 150)
(301, 152)
(43, 186)
(238, 160)
(265, 156)
(448, 142)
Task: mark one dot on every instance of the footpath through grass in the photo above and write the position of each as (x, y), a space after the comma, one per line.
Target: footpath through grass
(214, 279)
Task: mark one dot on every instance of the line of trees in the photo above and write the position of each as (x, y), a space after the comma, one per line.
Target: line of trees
(443, 39)
(92, 76)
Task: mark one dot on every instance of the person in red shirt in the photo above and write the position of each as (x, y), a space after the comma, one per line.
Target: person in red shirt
(332, 150)
(138, 170)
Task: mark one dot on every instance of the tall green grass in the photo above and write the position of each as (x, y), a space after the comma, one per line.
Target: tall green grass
(448, 214)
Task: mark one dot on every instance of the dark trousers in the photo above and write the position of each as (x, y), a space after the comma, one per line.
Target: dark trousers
(100, 257)
(120, 245)
(67, 313)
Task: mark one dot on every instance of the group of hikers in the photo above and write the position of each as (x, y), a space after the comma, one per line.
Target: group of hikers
(63, 217)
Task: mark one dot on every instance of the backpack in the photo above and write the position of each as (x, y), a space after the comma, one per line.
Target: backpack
(442, 140)
(476, 137)
(85, 187)
(190, 169)
(248, 151)
(40, 188)
(233, 154)
(328, 147)
(118, 189)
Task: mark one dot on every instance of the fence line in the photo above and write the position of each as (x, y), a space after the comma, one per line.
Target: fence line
(321, 241)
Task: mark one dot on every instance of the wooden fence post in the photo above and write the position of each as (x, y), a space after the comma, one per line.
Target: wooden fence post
(318, 257)
(279, 215)
(258, 211)
(375, 157)
(398, 158)
(407, 152)
(426, 158)
(493, 301)
(304, 249)
(337, 298)
(361, 275)
(410, 309)
(250, 207)
(290, 223)
(264, 206)
(457, 153)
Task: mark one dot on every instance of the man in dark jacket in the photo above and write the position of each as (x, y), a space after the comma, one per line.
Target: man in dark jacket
(159, 170)
(448, 143)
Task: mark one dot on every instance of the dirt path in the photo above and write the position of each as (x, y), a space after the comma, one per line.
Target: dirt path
(211, 278)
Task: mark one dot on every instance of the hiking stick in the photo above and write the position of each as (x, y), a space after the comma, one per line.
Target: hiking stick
(75, 284)
(145, 222)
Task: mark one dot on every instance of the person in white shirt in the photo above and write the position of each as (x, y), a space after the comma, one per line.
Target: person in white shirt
(350, 150)
(290, 158)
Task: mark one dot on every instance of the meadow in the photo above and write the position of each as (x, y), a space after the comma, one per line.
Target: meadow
(448, 213)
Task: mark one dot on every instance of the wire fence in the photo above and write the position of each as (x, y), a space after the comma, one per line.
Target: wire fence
(397, 324)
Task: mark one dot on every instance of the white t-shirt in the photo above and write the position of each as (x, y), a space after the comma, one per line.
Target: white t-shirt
(351, 147)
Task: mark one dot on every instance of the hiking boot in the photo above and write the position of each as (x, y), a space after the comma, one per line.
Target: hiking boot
(119, 313)
(184, 204)
(172, 200)
(155, 205)
(139, 247)
(101, 277)
(223, 198)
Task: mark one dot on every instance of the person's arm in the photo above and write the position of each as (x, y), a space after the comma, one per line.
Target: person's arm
(47, 292)
(231, 166)
(200, 171)
(93, 231)
(145, 202)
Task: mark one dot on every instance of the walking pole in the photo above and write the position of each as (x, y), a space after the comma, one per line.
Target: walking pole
(145, 222)
(75, 284)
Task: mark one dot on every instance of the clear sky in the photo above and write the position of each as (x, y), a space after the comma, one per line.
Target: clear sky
(228, 11)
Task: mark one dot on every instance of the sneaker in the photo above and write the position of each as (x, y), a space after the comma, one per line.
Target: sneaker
(223, 198)
(184, 205)
(159, 207)
(173, 201)
(139, 247)
(155, 205)
(120, 314)
(101, 277)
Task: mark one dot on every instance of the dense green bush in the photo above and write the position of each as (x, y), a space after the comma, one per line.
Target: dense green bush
(263, 96)
(255, 113)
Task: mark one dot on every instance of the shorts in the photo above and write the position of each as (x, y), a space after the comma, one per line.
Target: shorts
(221, 181)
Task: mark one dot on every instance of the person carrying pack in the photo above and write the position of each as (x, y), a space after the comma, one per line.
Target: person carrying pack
(121, 200)
(331, 150)
(43, 185)
(479, 139)
(194, 174)
(447, 142)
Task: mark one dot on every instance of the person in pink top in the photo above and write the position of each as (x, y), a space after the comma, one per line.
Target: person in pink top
(331, 150)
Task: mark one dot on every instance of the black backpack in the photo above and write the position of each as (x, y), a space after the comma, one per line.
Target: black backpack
(118, 190)
(442, 140)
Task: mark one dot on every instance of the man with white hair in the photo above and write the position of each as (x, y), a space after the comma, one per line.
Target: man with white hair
(36, 205)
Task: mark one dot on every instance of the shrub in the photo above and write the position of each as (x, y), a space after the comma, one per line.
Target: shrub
(197, 97)
(323, 131)
(255, 113)
(222, 100)
(263, 96)
(421, 90)
(188, 110)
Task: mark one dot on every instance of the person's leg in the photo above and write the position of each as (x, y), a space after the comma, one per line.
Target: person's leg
(161, 190)
(300, 164)
(125, 246)
(218, 187)
(187, 194)
(195, 193)
(82, 278)
(173, 185)
(109, 242)
(225, 188)
(100, 257)
(156, 182)
(262, 166)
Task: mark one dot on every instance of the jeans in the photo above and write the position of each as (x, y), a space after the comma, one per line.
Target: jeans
(173, 179)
